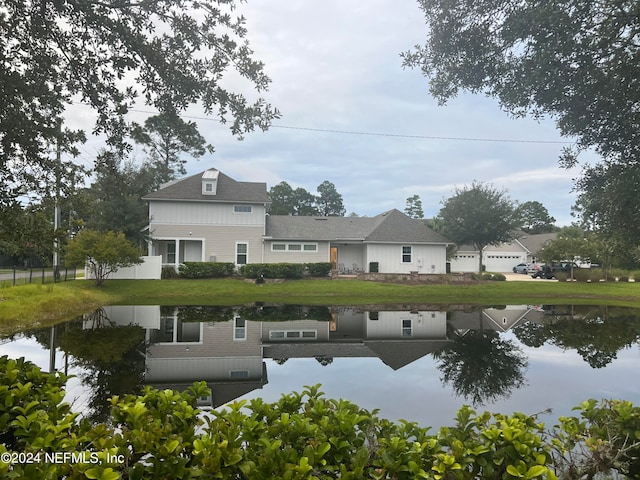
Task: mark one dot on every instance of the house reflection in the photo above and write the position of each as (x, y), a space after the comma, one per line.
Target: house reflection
(226, 346)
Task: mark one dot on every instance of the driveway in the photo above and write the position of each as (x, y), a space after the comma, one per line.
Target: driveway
(520, 277)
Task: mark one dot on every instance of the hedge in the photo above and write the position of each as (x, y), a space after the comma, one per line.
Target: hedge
(206, 269)
(161, 434)
(285, 270)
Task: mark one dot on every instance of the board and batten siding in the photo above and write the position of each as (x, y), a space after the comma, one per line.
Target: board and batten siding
(430, 325)
(423, 257)
(203, 213)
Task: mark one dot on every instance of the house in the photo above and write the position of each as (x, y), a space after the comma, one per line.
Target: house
(214, 218)
(501, 258)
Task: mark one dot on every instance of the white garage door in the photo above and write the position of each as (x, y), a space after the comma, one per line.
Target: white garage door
(465, 262)
(503, 262)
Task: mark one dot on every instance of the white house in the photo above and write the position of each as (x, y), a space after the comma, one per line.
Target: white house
(212, 217)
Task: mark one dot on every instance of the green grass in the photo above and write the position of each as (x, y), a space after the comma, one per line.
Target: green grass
(26, 305)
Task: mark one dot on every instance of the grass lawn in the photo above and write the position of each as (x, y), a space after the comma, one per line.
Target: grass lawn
(42, 304)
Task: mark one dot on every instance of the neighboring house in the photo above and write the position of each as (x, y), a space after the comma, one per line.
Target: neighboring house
(212, 217)
(501, 258)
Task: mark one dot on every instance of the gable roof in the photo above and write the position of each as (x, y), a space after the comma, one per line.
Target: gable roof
(189, 189)
(391, 226)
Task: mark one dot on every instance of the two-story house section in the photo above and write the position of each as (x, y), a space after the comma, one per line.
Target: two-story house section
(208, 217)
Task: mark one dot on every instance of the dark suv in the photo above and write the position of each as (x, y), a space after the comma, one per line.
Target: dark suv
(549, 270)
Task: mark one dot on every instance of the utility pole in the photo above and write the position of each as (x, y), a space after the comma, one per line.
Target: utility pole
(56, 209)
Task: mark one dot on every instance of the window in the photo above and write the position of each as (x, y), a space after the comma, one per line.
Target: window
(239, 374)
(294, 247)
(242, 253)
(171, 252)
(208, 187)
(406, 328)
(293, 334)
(242, 209)
(406, 254)
(239, 329)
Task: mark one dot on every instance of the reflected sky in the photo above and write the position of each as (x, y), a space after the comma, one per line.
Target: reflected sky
(555, 377)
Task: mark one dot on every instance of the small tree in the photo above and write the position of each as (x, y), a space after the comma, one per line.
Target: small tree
(104, 253)
(414, 207)
(479, 215)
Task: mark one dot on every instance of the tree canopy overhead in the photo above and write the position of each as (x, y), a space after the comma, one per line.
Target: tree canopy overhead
(110, 54)
(575, 61)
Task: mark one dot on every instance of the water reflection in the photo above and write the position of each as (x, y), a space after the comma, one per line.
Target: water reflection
(479, 354)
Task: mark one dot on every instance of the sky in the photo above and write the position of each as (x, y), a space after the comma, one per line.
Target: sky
(353, 116)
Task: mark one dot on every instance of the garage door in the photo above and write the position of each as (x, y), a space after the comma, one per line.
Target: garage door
(465, 263)
(503, 262)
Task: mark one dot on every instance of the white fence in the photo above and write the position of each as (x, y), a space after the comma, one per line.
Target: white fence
(150, 269)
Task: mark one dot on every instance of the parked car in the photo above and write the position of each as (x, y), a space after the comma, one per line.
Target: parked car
(548, 271)
(522, 268)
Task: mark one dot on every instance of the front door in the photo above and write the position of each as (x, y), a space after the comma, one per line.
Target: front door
(334, 257)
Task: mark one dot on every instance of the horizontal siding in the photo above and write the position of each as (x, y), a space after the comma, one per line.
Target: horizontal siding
(428, 325)
(185, 213)
(219, 241)
(322, 255)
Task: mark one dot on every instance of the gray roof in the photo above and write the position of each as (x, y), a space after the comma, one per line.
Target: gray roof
(392, 226)
(228, 190)
(534, 243)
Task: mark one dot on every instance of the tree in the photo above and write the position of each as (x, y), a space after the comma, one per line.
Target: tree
(110, 54)
(287, 201)
(414, 207)
(165, 137)
(104, 253)
(565, 247)
(329, 201)
(609, 202)
(534, 218)
(572, 60)
(115, 198)
(482, 367)
(479, 215)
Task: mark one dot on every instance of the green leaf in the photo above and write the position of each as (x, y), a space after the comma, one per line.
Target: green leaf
(534, 471)
(511, 470)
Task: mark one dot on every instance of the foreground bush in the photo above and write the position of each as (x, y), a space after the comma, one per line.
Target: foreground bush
(160, 434)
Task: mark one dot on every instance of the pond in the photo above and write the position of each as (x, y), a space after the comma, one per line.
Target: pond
(417, 362)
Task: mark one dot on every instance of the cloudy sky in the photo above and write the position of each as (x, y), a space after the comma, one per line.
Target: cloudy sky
(352, 115)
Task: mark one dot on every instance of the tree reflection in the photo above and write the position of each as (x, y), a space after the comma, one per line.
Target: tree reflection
(482, 367)
(596, 333)
(111, 356)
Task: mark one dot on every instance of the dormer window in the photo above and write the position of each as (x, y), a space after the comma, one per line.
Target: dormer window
(209, 182)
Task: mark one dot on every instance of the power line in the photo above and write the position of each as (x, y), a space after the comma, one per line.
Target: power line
(383, 134)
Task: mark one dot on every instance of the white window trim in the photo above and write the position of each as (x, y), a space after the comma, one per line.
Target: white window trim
(406, 329)
(241, 212)
(235, 328)
(302, 245)
(301, 335)
(402, 254)
(247, 252)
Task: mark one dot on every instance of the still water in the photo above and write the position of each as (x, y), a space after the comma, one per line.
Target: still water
(419, 363)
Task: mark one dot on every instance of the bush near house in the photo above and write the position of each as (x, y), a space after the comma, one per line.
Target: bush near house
(161, 434)
(206, 269)
(285, 270)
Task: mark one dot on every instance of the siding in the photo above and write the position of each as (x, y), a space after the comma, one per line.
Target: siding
(322, 255)
(219, 241)
(430, 325)
(192, 213)
(423, 257)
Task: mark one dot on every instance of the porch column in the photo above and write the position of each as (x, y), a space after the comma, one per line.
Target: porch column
(177, 254)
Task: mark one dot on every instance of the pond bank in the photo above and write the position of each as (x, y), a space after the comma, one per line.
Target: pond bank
(38, 304)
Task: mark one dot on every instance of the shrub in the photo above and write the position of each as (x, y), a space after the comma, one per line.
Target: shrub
(168, 272)
(161, 434)
(206, 269)
(561, 276)
(373, 267)
(272, 270)
(619, 273)
(497, 277)
(320, 269)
